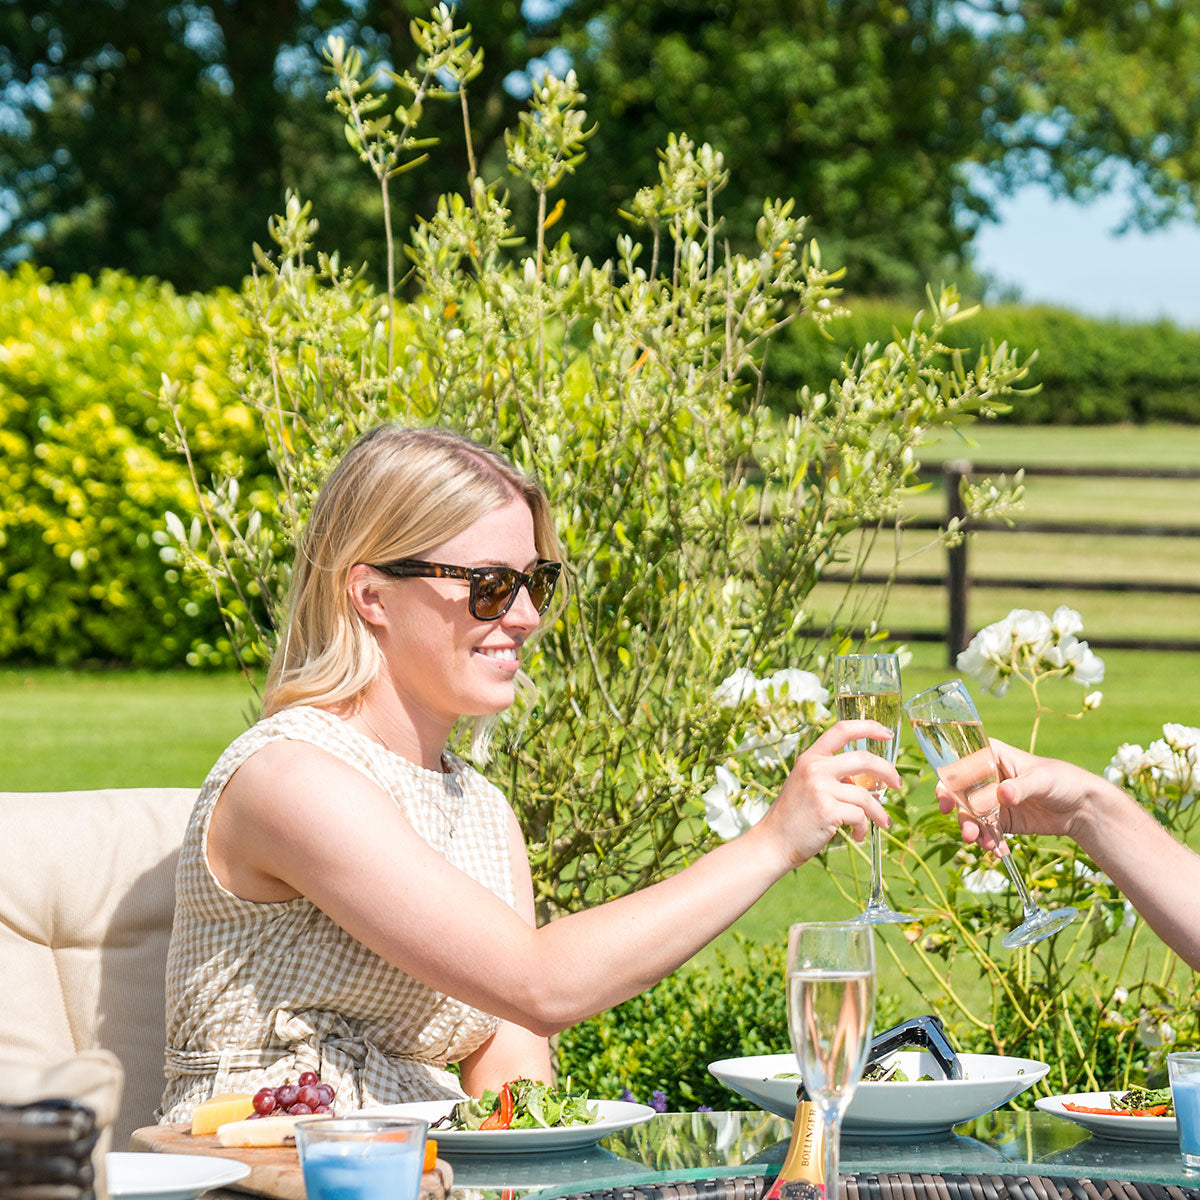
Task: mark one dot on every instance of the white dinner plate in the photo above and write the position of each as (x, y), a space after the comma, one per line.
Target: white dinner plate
(921, 1108)
(133, 1176)
(1121, 1129)
(612, 1115)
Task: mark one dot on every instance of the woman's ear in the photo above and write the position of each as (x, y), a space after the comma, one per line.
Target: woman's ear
(364, 587)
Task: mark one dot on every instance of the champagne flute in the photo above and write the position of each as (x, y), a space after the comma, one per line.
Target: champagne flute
(831, 1013)
(867, 688)
(952, 737)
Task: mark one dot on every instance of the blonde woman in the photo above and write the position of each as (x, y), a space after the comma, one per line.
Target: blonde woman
(355, 900)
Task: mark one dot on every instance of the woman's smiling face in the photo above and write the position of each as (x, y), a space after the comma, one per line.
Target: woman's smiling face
(445, 663)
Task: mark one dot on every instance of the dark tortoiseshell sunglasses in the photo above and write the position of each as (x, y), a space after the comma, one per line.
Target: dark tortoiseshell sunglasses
(493, 589)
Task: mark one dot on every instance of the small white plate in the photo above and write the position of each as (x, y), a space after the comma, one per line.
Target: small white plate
(921, 1108)
(612, 1115)
(1121, 1129)
(132, 1176)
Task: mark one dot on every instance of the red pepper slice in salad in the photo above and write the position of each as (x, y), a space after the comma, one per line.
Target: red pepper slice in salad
(1156, 1110)
(502, 1115)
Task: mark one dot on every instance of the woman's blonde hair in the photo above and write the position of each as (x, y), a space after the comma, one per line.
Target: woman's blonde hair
(396, 493)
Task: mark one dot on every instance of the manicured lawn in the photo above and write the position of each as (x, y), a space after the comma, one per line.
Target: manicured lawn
(63, 729)
(1071, 445)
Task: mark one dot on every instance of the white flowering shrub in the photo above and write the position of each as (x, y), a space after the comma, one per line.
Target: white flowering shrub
(774, 716)
(1032, 647)
(1165, 775)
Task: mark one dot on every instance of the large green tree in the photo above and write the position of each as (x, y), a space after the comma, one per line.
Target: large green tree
(158, 136)
(893, 122)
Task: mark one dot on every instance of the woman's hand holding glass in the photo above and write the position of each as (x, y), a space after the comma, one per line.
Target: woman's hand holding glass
(868, 685)
(819, 797)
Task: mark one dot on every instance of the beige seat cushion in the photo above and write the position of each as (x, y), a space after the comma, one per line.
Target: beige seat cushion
(87, 892)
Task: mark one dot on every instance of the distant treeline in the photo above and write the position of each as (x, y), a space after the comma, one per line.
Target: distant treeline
(1090, 372)
(85, 474)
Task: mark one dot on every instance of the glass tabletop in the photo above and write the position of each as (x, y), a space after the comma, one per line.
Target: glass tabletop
(689, 1146)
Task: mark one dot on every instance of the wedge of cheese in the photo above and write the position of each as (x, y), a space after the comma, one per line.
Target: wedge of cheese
(209, 1116)
(264, 1131)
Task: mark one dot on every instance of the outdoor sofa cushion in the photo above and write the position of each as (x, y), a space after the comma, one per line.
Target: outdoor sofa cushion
(87, 893)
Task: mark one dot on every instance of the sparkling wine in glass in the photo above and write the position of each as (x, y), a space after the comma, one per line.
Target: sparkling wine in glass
(867, 688)
(953, 740)
(831, 1014)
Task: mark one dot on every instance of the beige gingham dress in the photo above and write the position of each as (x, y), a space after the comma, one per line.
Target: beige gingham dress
(257, 993)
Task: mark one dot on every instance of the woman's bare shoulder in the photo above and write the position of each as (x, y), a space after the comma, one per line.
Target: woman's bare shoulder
(293, 769)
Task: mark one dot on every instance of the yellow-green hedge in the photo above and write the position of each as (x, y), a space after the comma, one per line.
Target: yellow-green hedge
(85, 477)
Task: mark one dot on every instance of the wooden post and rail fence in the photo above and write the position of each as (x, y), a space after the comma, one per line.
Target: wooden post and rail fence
(958, 581)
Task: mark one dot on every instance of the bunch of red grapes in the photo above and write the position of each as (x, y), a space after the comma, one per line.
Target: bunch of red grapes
(307, 1095)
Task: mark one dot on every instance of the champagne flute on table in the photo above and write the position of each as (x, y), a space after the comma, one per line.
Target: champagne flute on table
(831, 1014)
(953, 740)
(867, 688)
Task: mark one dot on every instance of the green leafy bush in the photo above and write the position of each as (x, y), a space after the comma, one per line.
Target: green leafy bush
(84, 475)
(1089, 372)
(664, 1039)
(694, 523)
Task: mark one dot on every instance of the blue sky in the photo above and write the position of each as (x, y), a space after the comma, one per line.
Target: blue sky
(1058, 252)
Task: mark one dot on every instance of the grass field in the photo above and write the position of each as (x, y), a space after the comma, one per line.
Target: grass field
(61, 729)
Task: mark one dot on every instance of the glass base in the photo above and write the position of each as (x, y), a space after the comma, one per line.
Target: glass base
(880, 914)
(1042, 925)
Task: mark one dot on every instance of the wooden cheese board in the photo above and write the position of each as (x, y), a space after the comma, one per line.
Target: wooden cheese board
(274, 1170)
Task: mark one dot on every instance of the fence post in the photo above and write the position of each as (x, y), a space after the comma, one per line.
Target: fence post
(957, 579)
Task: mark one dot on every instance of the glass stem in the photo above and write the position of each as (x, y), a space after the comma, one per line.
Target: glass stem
(831, 1128)
(1014, 873)
(876, 900)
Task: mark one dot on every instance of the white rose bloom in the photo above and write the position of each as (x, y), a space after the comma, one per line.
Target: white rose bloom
(719, 811)
(1055, 656)
(1066, 621)
(1029, 627)
(795, 685)
(974, 662)
(987, 656)
(726, 819)
(736, 689)
(753, 810)
(788, 745)
(1128, 761)
(1160, 758)
(751, 743)
(1092, 701)
(1182, 737)
(984, 882)
(1089, 667)
(1120, 995)
(769, 750)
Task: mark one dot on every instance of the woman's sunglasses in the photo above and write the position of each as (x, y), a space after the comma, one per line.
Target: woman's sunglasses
(493, 589)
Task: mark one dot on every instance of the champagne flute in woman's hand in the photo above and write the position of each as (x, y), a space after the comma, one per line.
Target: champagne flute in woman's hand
(953, 740)
(867, 688)
(831, 1012)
